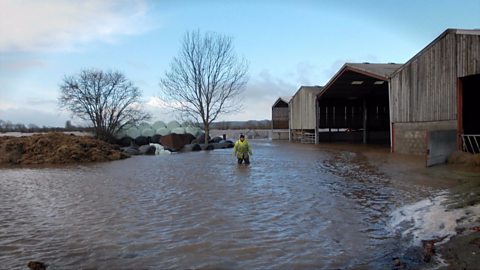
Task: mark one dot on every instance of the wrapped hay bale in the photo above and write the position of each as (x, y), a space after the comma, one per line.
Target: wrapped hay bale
(158, 124)
(191, 147)
(178, 130)
(148, 132)
(133, 132)
(163, 131)
(173, 124)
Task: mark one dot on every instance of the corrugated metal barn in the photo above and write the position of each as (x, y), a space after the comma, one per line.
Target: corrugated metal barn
(280, 118)
(434, 97)
(302, 114)
(353, 106)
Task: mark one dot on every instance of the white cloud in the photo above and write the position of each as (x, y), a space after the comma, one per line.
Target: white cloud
(51, 25)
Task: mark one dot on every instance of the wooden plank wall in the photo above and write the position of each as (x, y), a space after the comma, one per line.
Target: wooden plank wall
(280, 117)
(425, 89)
(302, 109)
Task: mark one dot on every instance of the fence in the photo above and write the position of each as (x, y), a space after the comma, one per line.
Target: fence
(471, 143)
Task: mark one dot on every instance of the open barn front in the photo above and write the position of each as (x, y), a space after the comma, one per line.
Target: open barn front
(354, 107)
(469, 96)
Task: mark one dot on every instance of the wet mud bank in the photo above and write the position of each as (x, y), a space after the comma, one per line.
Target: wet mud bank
(440, 231)
(55, 148)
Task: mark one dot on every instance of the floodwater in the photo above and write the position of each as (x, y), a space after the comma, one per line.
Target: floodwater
(295, 207)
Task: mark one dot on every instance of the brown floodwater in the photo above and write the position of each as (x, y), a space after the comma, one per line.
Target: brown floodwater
(295, 207)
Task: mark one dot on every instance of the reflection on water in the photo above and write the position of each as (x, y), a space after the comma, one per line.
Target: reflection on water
(295, 207)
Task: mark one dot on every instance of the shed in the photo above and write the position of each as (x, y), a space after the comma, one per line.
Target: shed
(354, 106)
(280, 113)
(280, 118)
(434, 98)
(302, 114)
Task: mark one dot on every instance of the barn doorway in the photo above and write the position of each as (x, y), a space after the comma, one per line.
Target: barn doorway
(469, 111)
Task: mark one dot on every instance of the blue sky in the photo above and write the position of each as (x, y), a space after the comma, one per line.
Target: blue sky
(287, 44)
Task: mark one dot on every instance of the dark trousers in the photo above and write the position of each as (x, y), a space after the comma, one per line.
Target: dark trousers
(245, 159)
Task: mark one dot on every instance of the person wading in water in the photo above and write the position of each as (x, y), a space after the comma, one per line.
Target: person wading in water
(242, 150)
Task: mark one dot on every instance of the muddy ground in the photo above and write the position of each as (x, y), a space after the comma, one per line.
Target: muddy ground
(55, 148)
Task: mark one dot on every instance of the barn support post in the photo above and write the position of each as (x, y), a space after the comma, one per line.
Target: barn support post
(364, 121)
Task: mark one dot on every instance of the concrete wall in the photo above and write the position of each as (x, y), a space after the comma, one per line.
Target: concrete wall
(280, 134)
(411, 138)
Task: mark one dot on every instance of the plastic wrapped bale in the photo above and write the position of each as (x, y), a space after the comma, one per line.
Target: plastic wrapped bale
(148, 132)
(120, 134)
(207, 146)
(195, 131)
(159, 149)
(158, 124)
(125, 141)
(163, 131)
(144, 125)
(178, 130)
(173, 124)
(191, 147)
(200, 139)
(228, 143)
(155, 138)
(216, 140)
(131, 150)
(147, 149)
(133, 132)
(141, 140)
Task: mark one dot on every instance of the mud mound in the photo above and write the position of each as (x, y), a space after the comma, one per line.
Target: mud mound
(56, 148)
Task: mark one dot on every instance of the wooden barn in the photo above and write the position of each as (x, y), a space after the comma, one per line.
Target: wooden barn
(280, 118)
(354, 105)
(433, 98)
(302, 114)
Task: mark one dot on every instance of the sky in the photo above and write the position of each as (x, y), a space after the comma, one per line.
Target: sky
(286, 43)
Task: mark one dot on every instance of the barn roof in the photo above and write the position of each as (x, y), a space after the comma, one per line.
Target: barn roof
(357, 79)
(285, 99)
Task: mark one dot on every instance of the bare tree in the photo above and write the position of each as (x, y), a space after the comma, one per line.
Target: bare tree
(206, 79)
(105, 99)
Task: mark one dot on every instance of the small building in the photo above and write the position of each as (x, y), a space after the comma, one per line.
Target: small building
(280, 118)
(433, 98)
(354, 106)
(302, 114)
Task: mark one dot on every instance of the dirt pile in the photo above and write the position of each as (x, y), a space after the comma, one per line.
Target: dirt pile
(56, 148)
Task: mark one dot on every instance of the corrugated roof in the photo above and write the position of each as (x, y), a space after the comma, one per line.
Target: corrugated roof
(315, 89)
(349, 72)
(380, 69)
(285, 99)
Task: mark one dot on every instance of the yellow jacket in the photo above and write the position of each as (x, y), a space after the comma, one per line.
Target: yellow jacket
(242, 149)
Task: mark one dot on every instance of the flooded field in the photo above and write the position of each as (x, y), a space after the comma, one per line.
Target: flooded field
(295, 207)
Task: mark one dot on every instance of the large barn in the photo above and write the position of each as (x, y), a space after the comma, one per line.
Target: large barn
(353, 106)
(433, 98)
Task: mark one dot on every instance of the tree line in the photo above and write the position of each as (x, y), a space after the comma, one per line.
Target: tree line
(8, 126)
